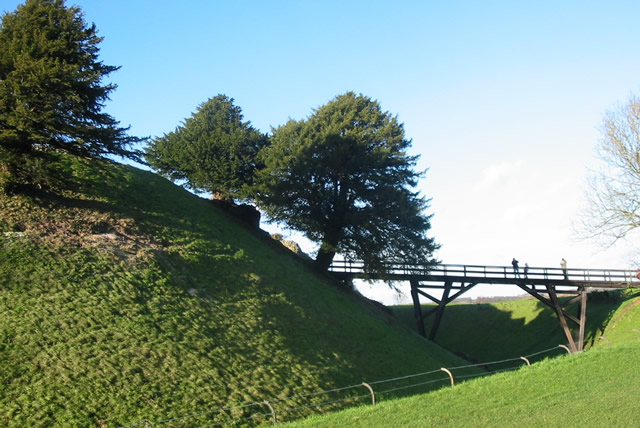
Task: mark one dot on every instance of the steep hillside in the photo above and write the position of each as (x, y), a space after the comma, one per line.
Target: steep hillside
(128, 299)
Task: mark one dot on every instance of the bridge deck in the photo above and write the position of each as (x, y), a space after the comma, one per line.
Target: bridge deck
(542, 283)
(588, 278)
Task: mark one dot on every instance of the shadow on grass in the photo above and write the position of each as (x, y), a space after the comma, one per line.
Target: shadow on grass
(490, 332)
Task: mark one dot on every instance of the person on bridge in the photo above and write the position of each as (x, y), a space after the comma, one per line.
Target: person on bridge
(563, 265)
(516, 270)
(526, 269)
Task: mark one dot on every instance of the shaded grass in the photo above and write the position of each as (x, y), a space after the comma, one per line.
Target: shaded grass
(492, 331)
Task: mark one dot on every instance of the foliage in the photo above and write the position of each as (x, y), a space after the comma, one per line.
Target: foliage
(213, 151)
(127, 299)
(51, 95)
(613, 197)
(343, 177)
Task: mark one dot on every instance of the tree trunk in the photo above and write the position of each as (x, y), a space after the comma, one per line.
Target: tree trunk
(324, 259)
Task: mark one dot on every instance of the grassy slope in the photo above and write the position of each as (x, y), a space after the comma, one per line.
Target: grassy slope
(624, 324)
(596, 388)
(130, 299)
(512, 328)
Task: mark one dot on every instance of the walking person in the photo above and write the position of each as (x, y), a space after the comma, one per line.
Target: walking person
(514, 263)
(563, 265)
(526, 269)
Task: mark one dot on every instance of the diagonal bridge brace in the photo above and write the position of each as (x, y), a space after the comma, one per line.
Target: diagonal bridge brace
(447, 297)
(553, 302)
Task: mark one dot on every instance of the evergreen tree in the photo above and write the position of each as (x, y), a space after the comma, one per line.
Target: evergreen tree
(343, 177)
(212, 151)
(51, 91)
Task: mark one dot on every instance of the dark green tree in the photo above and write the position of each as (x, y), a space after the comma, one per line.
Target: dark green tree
(343, 177)
(51, 91)
(212, 151)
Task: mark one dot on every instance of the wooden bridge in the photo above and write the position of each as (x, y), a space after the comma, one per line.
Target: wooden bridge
(545, 284)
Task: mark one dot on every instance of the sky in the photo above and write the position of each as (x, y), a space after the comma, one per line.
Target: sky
(502, 100)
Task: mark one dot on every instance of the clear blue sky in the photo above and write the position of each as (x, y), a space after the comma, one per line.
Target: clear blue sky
(502, 99)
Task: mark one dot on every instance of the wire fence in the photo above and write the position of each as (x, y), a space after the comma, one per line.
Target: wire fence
(296, 406)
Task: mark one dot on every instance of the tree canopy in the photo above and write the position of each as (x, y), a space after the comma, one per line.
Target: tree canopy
(51, 91)
(212, 151)
(343, 178)
(613, 195)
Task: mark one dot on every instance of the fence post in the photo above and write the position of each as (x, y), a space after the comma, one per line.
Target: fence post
(562, 346)
(273, 412)
(450, 375)
(373, 395)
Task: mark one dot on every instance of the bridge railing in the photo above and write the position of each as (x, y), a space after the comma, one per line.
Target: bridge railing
(494, 272)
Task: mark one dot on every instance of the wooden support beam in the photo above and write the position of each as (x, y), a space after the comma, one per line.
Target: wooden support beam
(583, 319)
(417, 311)
(572, 301)
(463, 290)
(428, 296)
(548, 302)
(535, 293)
(560, 313)
(440, 312)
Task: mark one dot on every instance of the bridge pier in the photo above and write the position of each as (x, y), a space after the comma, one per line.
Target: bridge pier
(580, 319)
(418, 290)
(417, 308)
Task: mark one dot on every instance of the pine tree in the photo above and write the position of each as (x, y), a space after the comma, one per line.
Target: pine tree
(212, 151)
(51, 91)
(343, 177)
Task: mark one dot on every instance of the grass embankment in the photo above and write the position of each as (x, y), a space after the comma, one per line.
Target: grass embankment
(128, 299)
(598, 387)
(493, 331)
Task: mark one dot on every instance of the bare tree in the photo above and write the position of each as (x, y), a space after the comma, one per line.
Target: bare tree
(613, 192)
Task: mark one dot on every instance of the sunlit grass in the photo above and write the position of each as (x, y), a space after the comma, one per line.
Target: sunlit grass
(595, 388)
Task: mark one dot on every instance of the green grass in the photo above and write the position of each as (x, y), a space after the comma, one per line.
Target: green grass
(127, 299)
(596, 388)
(624, 324)
(492, 331)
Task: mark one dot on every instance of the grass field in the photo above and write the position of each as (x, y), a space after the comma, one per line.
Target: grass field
(127, 299)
